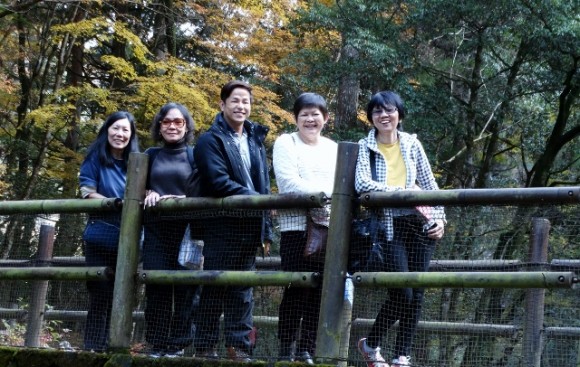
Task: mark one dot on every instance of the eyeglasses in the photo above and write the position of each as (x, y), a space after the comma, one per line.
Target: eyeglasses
(177, 122)
(388, 110)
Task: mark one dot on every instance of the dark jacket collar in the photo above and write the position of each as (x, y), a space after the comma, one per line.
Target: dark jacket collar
(251, 128)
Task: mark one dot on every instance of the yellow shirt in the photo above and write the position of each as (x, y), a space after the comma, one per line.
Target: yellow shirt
(396, 172)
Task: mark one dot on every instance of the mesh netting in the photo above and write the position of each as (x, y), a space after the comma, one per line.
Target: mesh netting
(457, 326)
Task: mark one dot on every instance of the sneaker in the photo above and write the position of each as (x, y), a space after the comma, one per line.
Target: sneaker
(401, 361)
(238, 355)
(286, 352)
(174, 354)
(305, 357)
(210, 353)
(155, 354)
(372, 357)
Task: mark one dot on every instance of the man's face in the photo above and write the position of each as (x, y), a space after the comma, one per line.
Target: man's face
(237, 108)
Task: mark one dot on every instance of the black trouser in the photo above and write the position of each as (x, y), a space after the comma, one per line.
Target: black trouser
(298, 303)
(100, 297)
(169, 308)
(228, 245)
(410, 251)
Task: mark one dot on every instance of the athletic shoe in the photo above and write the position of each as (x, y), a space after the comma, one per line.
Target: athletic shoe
(155, 354)
(238, 355)
(402, 361)
(305, 357)
(372, 357)
(210, 353)
(174, 353)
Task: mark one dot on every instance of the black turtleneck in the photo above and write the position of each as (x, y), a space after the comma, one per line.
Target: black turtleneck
(170, 170)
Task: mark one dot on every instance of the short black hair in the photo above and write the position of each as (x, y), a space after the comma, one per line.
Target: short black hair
(101, 144)
(383, 99)
(163, 111)
(229, 87)
(307, 100)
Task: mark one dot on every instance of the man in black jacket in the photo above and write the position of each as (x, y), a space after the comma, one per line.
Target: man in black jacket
(231, 160)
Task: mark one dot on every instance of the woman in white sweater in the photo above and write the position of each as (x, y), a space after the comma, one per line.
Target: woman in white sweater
(304, 162)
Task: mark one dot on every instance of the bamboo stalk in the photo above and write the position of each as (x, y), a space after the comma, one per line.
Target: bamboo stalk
(128, 254)
(60, 206)
(466, 280)
(230, 278)
(39, 289)
(265, 202)
(335, 313)
(527, 196)
(532, 344)
(429, 327)
(57, 273)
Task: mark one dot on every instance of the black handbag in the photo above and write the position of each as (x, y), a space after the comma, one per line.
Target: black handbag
(366, 252)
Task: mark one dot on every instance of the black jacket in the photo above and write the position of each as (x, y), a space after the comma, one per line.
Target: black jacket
(220, 164)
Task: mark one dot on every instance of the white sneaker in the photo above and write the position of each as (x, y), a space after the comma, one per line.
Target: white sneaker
(401, 361)
(155, 354)
(372, 357)
(174, 354)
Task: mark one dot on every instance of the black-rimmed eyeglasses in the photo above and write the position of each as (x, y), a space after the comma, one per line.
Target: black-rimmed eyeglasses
(388, 110)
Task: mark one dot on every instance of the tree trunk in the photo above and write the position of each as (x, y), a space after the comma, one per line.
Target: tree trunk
(540, 173)
(348, 92)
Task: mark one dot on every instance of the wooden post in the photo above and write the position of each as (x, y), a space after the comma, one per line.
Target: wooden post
(128, 255)
(335, 316)
(39, 289)
(534, 315)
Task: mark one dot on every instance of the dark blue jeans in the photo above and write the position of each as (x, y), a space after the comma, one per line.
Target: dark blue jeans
(100, 298)
(298, 303)
(169, 309)
(228, 245)
(410, 251)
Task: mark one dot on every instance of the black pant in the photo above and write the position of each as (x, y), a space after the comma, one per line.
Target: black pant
(228, 245)
(100, 297)
(298, 303)
(169, 308)
(410, 251)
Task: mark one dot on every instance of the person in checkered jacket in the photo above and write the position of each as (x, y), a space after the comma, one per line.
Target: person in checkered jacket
(391, 160)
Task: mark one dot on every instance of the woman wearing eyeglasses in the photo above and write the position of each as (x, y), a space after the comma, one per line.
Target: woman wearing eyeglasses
(391, 160)
(168, 312)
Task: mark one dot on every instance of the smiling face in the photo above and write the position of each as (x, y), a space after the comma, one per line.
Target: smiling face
(173, 126)
(386, 120)
(310, 121)
(118, 135)
(236, 108)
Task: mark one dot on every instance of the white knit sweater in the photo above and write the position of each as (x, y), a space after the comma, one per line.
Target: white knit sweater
(302, 168)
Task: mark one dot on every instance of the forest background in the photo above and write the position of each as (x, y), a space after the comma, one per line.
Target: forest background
(491, 89)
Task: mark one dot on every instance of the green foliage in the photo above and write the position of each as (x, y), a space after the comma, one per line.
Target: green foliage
(491, 89)
(12, 332)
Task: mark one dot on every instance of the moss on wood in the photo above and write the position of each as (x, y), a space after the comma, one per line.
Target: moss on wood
(32, 357)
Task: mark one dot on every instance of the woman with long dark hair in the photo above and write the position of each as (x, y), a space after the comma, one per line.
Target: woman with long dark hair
(102, 175)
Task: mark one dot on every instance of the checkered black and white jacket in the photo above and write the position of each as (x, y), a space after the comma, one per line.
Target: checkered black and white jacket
(417, 167)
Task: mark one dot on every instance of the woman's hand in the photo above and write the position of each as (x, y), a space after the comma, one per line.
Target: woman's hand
(437, 232)
(153, 197)
(95, 195)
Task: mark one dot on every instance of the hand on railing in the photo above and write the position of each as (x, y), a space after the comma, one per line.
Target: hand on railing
(152, 198)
